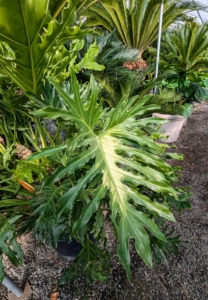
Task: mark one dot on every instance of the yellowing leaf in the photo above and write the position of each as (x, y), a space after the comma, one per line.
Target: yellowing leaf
(54, 296)
(26, 186)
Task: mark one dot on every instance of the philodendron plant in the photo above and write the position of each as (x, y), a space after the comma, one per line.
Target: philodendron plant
(32, 43)
(109, 164)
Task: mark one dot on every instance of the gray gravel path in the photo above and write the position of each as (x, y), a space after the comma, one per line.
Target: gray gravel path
(186, 275)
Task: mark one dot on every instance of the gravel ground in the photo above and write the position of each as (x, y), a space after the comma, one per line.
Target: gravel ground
(184, 278)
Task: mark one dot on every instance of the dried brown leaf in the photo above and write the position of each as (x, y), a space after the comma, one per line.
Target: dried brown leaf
(54, 296)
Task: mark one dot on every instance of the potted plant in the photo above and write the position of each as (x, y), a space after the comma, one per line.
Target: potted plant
(98, 153)
(174, 111)
(108, 161)
(186, 66)
(172, 128)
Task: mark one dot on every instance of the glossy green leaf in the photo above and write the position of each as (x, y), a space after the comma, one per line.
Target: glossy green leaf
(43, 206)
(175, 155)
(126, 160)
(185, 110)
(88, 210)
(31, 36)
(88, 61)
(8, 244)
(94, 262)
(12, 202)
(61, 59)
(46, 152)
(1, 269)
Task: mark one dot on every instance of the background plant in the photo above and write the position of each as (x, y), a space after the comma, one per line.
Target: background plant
(115, 79)
(184, 53)
(136, 26)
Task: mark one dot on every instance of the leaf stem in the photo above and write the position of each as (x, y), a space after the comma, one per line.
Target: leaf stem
(57, 12)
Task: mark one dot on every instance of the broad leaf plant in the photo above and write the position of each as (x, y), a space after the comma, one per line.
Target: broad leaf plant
(109, 161)
(107, 164)
(29, 41)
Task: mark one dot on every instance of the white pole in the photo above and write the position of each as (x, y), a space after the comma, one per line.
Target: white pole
(12, 286)
(159, 43)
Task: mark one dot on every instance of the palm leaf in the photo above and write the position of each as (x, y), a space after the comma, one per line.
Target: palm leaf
(189, 43)
(136, 26)
(83, 6)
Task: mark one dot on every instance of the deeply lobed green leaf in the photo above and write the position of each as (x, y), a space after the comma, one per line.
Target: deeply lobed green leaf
(28, 38)
(127, 161)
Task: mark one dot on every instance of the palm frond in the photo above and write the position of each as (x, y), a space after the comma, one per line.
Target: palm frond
(136, 26)
(188, 43)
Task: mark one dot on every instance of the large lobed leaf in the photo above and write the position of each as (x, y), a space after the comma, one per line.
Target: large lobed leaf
(61, 58)
(127, 161)
(28, 32)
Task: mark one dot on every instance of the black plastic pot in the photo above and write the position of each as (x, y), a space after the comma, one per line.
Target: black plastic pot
(68, 250)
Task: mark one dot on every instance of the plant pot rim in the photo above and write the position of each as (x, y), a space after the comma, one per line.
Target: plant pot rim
(168, 116)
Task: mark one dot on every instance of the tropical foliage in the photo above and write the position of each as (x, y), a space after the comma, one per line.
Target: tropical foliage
(27, 55)
(29, 43)
(95, 157)
(184, 53)
(185, 48)
(115, 79)
(135, 26)
(116, 167)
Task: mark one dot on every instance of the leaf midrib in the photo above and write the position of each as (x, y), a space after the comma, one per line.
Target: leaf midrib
(34, 83)
(107, 167)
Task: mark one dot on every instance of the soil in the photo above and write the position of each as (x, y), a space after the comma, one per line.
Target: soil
(184, 278)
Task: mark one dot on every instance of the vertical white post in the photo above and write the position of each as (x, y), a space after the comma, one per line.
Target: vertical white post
(159, 42)
(12, 286)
